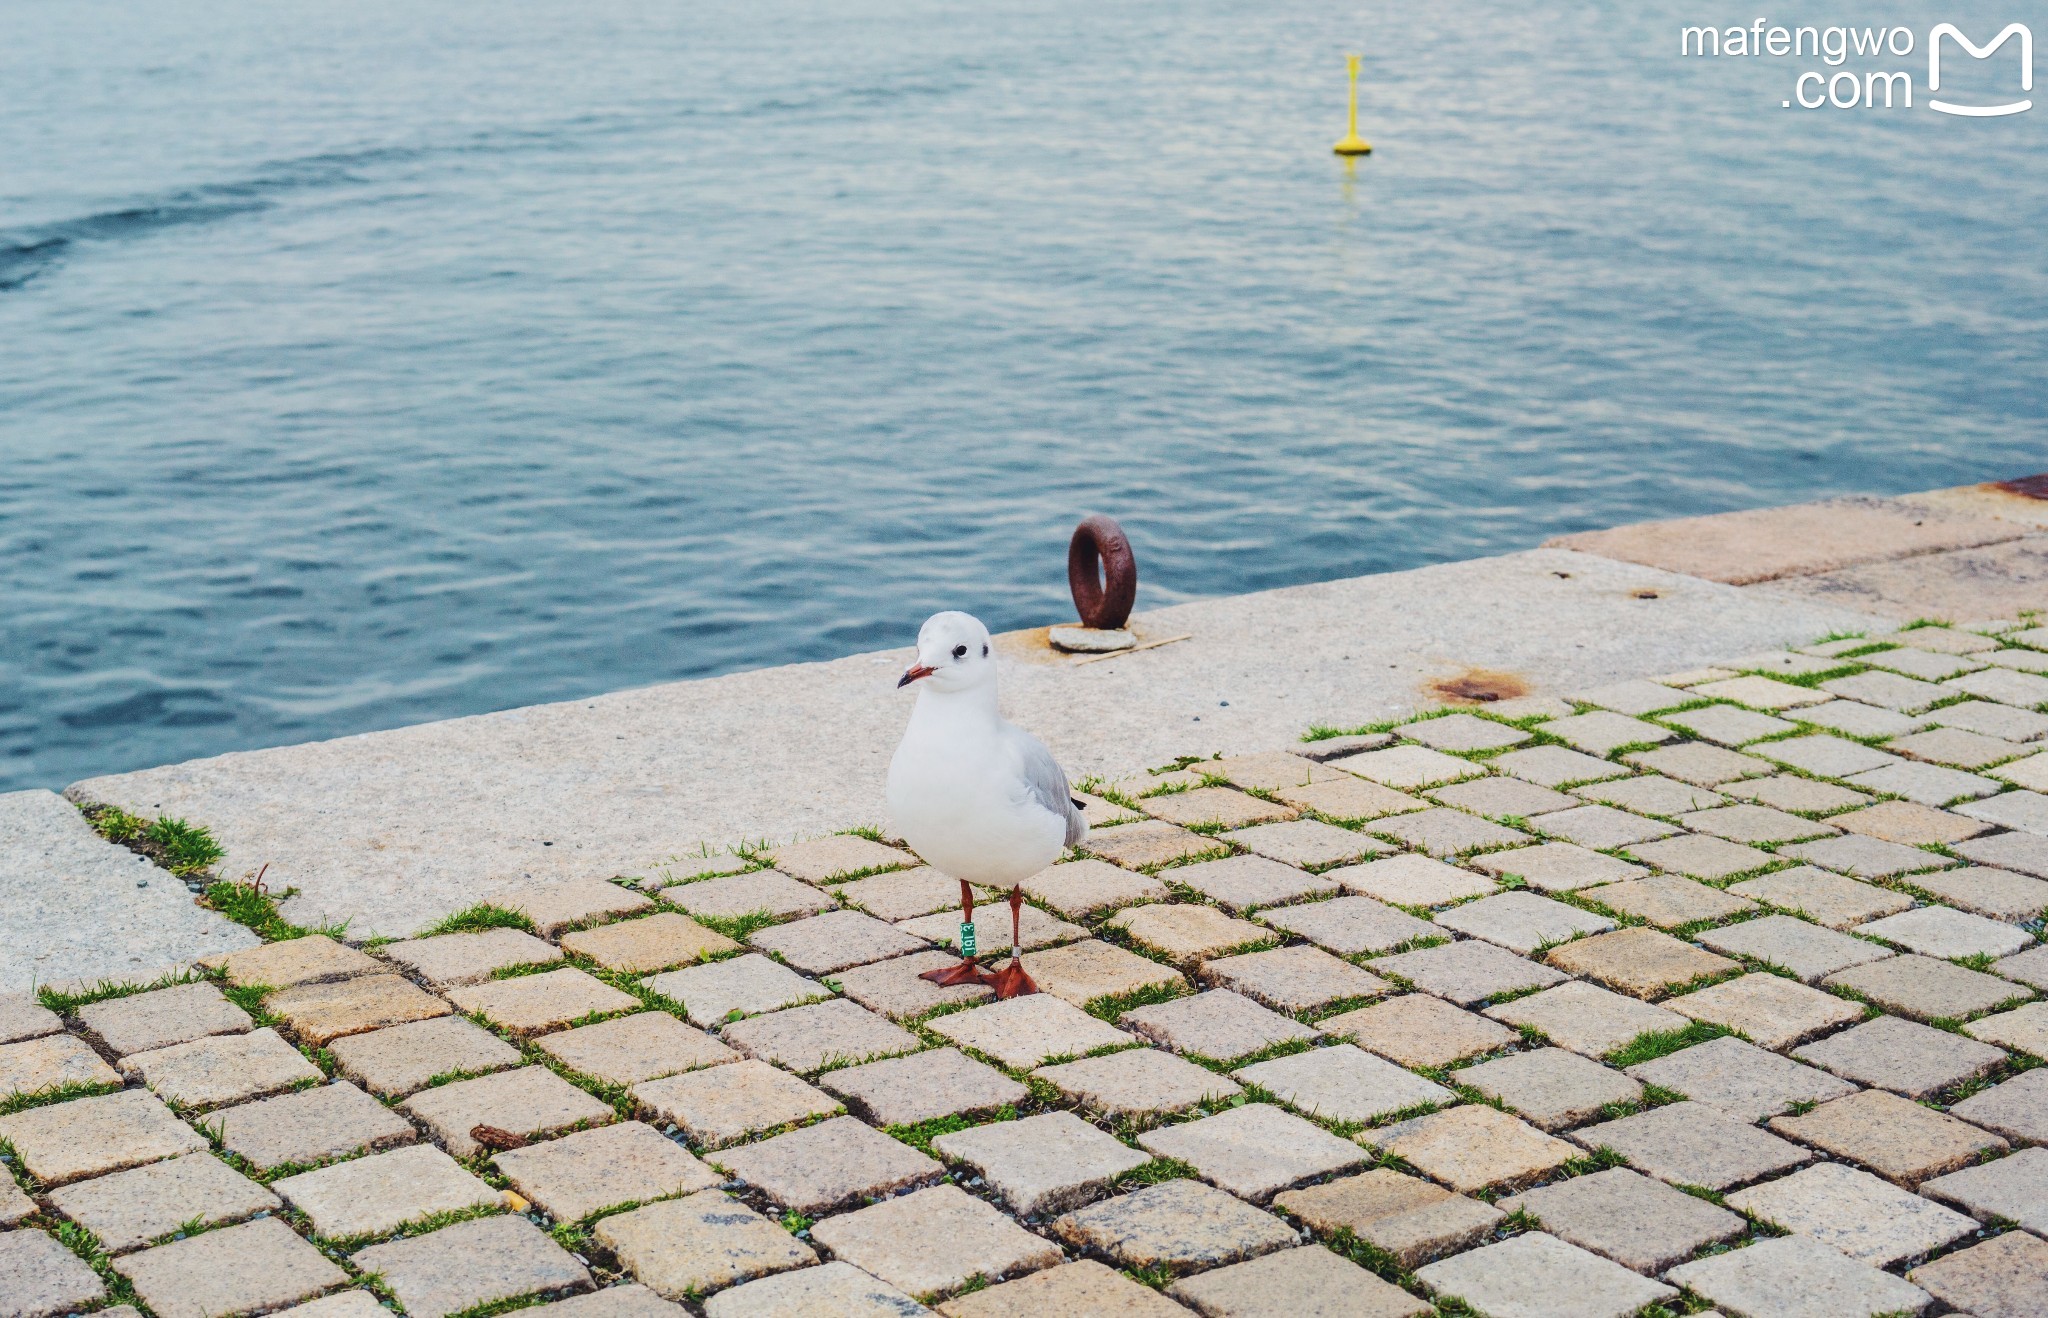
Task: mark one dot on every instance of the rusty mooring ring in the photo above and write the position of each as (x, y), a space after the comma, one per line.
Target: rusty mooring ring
(1102, 573)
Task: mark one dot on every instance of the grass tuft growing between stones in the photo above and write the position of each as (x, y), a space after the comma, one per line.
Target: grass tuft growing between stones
(738, 927)
(1155, 1172)
(475, 919)
(920, 1135)
(70, 1089)
(1112, 1007)
(65, 1002)
(1649, 1046)
(255, 909)
(186, 850)
(93, 1250)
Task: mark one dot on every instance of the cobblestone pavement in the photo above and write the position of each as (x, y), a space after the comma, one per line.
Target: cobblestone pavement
(1712, 992)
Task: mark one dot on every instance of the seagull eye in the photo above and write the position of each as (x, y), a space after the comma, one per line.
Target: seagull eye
(959, 652)
(984, 650)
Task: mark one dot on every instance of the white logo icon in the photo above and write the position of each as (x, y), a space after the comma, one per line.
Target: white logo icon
(1976, 51)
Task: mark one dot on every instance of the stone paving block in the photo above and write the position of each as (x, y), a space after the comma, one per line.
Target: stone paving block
(1929, 784)
(1798, 795)
(2005, 1277)
(1182, 1226)
(934, 1241)
(2029, 967)
(1188, 934)
(378, 1194)
(1906, 695)
(644, 1046)
(472, 1263)
(141, 1022)
(1856, 719)
(1522, 921)
(44, 1279)
(1693, 1144)
(1138, 1082)
(398, 1060)
(682, 870)
(553, 907)
(1416, 1029)
(1926, 665)
(1651, 795)
(904, 894)
(1521, 707)
(1824, 898)
(1895, 1137)
(1667, 901)
(769, 892)
(1554, 766)
(1699, 764)
(2017, 1109)
(1209, 806)
(1794, 1277)
(1472, 1147)
(1343, 1084)
(306, 960)
(1538, 1274)
(1739, 1079)
(1785, 663)
(1498, 798)
(446, 960)
(1558, 866)
(1550, 1087)
(1345, 925)
(807, 1039)
(1635, 698)
(1444, 832)
(1754, 824)
(531, 1101)
(823, 859)
(1937, 931)
(1029, 1031)
(1150, 843)
(893, 988)
(1467, 972)
(1771, 1010)
(1640, 1223)
(1909, 823)
(902, 1091)
(2014, 1188)
(680, 1248)
(1411, 880)
(1806, 950)
(992, 925)
(2021, 810)
(1697, 857)
(323, 1012)
(312, 1125)
(1602, 827)
(226, 1068)
(1406, 1216)
(1638, 961)
(2024, 852)
(535, 1004)
(1349, 800)
(2024, 1028)
(1406, 768)
(2026, 690)
(34, 1065)
(1603, 732)
(1868, 1218)
(22, 1017)
(1589, 1020)
(129, 1209)
(1466, 732)
(836, 940)
(1324, 749)
(1865, 857)
(1216, 1024)
(14, 1205)
(1043, 1164)
(835, 1288)
(1083, 887)
(244, 1269)
(93, 1136)
(648, 943)
(1081, 972)
(2030, 773)
(1086, 1287)
(1268, 770)
(1825, 756)
(746, 985)
(592, 1170)
(1297, 1281)
(1957, 748)
(1238, 882)
(1728, 725)
(1293, 979)
(1927, 989)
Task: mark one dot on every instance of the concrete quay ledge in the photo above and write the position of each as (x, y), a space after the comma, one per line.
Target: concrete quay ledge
(391, 830)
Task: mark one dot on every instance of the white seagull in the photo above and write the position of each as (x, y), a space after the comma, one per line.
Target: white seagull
(973, 794)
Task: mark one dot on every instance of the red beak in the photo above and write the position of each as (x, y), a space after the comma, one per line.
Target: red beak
(912, 673)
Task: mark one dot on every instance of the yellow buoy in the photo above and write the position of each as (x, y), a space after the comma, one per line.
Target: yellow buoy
(1351, 144)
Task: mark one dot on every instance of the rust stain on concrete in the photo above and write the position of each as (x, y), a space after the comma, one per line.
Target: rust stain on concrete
(2027, 487)
(1477, 686)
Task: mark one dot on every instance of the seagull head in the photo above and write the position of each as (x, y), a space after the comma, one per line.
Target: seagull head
(953, 654)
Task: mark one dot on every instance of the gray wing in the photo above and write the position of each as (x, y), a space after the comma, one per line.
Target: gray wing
(1048, 783)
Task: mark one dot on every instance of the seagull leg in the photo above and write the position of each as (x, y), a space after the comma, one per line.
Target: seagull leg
(966, 970)
(1012, 981)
